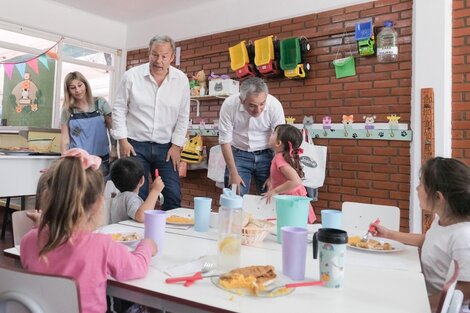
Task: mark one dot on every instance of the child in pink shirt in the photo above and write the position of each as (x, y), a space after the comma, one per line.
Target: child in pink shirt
(64, 243)
(286, 172)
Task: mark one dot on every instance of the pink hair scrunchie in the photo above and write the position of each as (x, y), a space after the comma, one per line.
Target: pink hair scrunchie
(87, 159)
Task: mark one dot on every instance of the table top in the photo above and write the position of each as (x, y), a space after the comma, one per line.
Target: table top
(407, 259)
(365, 288)
(373, 282)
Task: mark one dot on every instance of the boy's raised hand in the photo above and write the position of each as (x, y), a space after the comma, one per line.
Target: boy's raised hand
(157, 185)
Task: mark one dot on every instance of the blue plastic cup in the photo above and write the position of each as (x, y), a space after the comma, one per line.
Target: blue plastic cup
(202, 213)
(331, 219)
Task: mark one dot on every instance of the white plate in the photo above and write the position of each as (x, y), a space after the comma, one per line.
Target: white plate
(128, 242)
(398, 246)
(180, 224)
(245, 292)
(311, 229)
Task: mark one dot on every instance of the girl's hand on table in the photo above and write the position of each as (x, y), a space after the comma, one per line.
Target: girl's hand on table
(153, 245)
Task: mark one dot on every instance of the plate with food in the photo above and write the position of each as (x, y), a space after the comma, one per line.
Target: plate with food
(375, 244)
(180, 220)
(254, 281)
(16, 151)
(127, 238)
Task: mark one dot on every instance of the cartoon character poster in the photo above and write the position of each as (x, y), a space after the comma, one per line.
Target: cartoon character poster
(28, 96)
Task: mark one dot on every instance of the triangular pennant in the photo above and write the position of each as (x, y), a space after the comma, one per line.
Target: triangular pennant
(52, 54)
(43, 59)
(33, 63)
(9, 69)
(21, 67)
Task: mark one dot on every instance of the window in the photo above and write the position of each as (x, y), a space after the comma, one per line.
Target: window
(24, 63)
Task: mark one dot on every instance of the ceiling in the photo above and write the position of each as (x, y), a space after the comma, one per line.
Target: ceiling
(128, 12)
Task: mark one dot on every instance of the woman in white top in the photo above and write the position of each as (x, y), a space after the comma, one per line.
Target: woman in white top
(444, 190)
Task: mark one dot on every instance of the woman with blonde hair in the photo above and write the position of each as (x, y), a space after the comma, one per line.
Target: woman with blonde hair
(86, 121)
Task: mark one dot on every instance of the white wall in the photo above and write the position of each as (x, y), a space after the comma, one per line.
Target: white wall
(217, 16)
(432, 68)
(62, 20)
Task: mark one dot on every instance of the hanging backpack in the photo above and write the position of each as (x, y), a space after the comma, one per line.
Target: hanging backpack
(192, 150)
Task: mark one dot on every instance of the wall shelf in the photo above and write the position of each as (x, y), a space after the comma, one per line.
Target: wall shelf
(198, 99)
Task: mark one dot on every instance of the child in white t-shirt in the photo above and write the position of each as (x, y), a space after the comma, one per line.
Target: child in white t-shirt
(444, 190)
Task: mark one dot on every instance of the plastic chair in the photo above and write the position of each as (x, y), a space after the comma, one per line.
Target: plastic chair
(22, 291)
(258, 207)
(21, 225)
(241, 56)
(109, 192)
(358, 216)
(267, 56)
(292, 57)
(450, 300)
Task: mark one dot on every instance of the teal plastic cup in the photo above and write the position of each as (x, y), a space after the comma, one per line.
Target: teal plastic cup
(291, 211)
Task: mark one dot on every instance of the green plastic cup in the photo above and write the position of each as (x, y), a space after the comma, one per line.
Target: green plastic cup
(291, 211)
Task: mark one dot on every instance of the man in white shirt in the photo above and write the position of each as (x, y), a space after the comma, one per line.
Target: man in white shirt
(151, 116)
(246, 122)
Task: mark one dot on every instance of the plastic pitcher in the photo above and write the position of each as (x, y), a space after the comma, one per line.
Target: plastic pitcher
(291, 211)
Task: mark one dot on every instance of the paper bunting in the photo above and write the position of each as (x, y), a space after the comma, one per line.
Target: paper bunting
(8, 69)
(33, 63)
(52, 54)
(21, 67)
(43, 59)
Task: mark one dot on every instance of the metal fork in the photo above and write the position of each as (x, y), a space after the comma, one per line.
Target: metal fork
(293, 285)
(372, 228)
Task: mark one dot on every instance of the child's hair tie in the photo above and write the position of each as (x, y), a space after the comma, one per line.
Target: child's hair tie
(291, 151)
(87, 159)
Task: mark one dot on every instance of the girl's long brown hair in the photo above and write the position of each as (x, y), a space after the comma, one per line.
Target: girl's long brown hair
(71, 192)
(451, 177)
(288, 133)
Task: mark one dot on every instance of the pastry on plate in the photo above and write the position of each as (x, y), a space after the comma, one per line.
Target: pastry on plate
(176, 219)
(252, 278)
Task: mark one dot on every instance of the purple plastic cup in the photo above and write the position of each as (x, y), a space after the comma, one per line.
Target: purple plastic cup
(294, 252)
(154, 227)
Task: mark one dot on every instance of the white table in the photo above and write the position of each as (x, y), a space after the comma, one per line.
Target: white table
(20, 173)
(366, 289)
(407, 259)
(380, 288)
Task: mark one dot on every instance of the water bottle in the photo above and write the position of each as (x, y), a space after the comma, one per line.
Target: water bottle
(230, 230)
(387, 44)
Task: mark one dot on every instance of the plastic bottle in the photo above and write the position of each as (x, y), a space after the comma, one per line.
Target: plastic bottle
(230, 230)
(387, 44)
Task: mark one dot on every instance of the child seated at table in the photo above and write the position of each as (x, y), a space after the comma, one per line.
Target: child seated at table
(65, 242)
(286, 172)
(444, 190)
(127, 174)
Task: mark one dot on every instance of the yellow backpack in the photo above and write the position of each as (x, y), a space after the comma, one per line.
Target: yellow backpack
(192, 150)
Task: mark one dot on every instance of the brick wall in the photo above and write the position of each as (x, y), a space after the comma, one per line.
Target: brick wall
(461, 80)
(370, 171)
